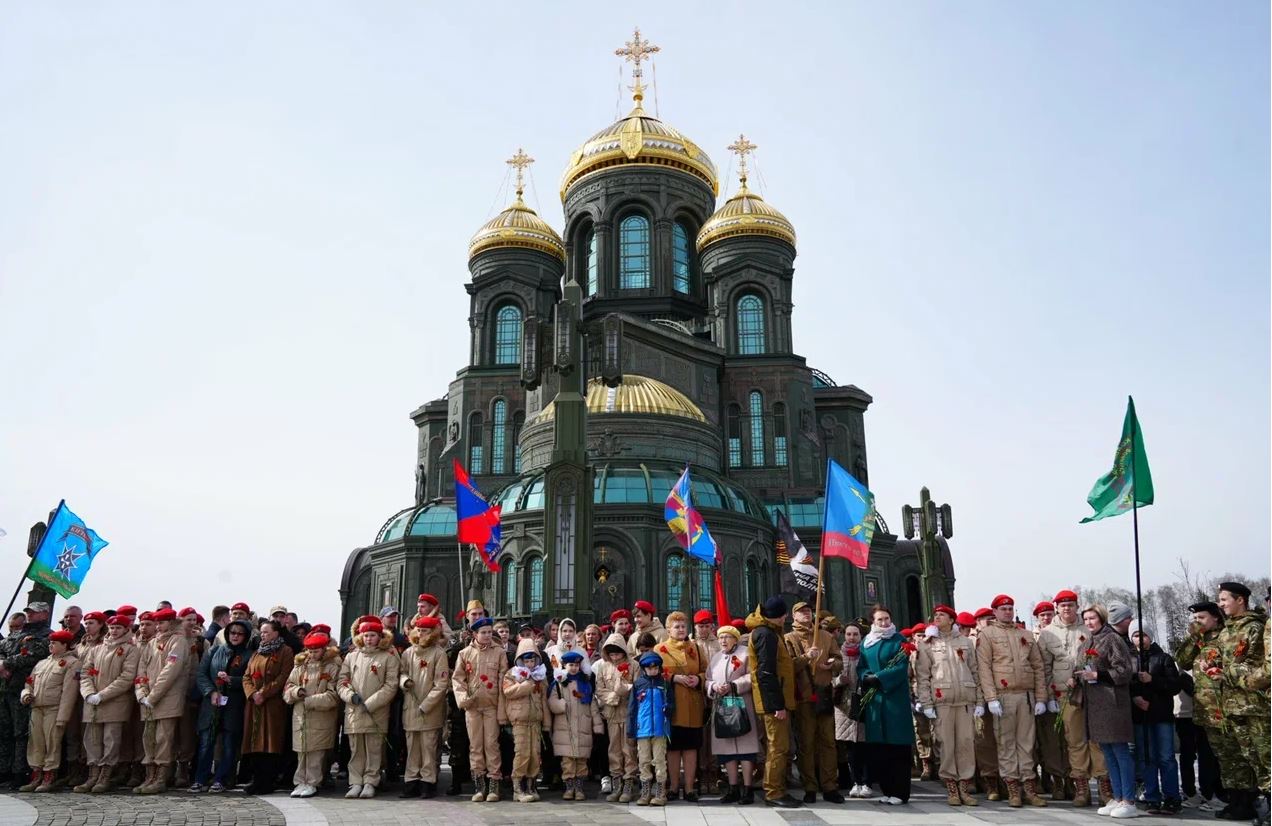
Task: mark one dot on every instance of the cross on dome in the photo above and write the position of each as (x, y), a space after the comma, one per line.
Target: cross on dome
(742, 147)
(635, 51)
(520, 162)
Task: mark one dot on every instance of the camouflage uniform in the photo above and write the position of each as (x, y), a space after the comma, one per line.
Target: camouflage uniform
(20, 652)
(1244, 644)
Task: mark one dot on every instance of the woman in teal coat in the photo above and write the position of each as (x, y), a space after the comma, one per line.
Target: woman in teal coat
(883, 677)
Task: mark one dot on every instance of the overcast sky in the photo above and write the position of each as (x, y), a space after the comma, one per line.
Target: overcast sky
(233, 247)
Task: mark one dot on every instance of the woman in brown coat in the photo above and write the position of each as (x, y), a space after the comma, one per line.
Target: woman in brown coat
(267, 715)
(685, 670)
(1105, 677)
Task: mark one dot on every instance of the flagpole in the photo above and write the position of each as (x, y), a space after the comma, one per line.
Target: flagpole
(459, 553)
(1139, 596)
(21, 581)
(821, 555)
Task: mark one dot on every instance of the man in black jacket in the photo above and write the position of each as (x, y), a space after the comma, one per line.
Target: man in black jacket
(1153, 693)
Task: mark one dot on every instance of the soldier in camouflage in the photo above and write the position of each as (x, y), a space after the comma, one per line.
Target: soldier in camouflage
(1243, 747)
(18, 655)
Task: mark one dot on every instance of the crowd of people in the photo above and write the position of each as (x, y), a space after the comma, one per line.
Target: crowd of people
(1084, 704)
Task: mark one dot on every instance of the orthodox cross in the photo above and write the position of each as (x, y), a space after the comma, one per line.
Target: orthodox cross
(742, 147)
(636, 50)
(520, 162)
(925, 522)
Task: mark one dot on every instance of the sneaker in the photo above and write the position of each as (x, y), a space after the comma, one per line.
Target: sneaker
(1126, 810)
(217, 788)
(195, 788)
(606, 785)
(1170, 807)
(354, 791)
(1209, 805)
(1192, 802)
(1107, 808)
(895, 801)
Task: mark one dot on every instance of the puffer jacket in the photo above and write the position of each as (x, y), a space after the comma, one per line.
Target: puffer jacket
(614, 681)
(650, 706)
(425, 679)
(525, 698)
(573, 721)
(52, 684)
(845, 683)
(371, 673)
(1159, 691)
(1008, 662)
(655, 628)
(477, 678)
(1063, 649)
(772, 669)
(162, 675)
(315, 717)
(109, 672)
(946, 671)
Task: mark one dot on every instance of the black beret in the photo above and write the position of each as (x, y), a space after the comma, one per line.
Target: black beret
(1235, 588)
(1208, 607)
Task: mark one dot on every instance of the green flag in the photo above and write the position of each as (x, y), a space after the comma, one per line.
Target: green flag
(1129, 479)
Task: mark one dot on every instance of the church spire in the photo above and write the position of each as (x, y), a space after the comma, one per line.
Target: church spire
(635, 51)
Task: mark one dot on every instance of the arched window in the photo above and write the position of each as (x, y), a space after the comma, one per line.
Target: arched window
(779, 435)
(735, 435)
(518, 422)
(475, 454)
(751, 584)
(706, 586)
(633, 253)
(536, 584)
(913, 600)
(757, 428)
(498, 436)
(681, 261)
(675, 582)
(592, 268)
(510, 586)
(750, 314)
(508, 334)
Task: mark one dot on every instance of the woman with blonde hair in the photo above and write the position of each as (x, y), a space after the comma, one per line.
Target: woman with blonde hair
(684, 670)
(1104, 677)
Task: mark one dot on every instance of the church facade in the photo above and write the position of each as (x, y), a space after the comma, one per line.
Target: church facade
(687, 359)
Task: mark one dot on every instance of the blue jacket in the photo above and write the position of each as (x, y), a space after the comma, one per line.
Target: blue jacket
(650, 707)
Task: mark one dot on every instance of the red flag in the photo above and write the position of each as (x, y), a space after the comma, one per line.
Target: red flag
(722, 606)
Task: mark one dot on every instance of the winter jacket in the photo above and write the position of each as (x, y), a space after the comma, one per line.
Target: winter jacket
(477, 677)
(195, 652)
(946, 671)
(372, 674)
(733, 668)
(889, 716)
(265, 725)
(233, 661)
(425, 678)
(1160, 691)
(845, 683)
(20, 652)
(85, 646)
(52, 685)
(162, 676)
(573, 721)
(655, 628)
(109, 672)
(525, 698)
(1063, 649)
(809, 678)
(1008, 661)
(682, 657)
(1107, 701)
(614, 681)
(772, 668)
(315, 718)
(650, 706)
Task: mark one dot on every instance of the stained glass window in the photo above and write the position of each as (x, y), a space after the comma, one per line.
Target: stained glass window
(680, 258)
(750, 325)
(633, 253)
(757, 429)
(498, 437)
(536, 584)
(508, 335)
(779, 435)
(510, 586)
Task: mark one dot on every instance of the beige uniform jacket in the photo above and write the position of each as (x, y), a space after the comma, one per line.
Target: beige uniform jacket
(478, 676)
(426, 669)
(947, 673)
(371, 673)
(52, 684)
(109, 672)
(316, 716)
(1008, 662)
(1063, 649)
(614, 684)
(163, 676)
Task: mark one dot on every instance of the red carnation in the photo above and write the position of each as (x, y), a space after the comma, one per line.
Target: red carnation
(960, 653)
(93, 672)
(257, 676)
(374, 670)
(1091, 652)
(735, 662)
(693, 652)
(1004, 682)
(939, 695)
(30, 681)
(423, 665)
(576, 693)
(62, 663)
(661, 648)
(1024, 641)
(623, 668)
(908, 647)
(119, 652)
(1057, 692)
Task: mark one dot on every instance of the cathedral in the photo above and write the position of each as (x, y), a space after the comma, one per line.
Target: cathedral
(652, 333)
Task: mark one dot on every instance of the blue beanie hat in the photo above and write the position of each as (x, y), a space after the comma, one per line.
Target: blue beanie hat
(650, 659)
(773, 608)
(571, 657)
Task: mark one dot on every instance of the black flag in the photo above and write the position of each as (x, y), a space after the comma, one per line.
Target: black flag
(797, 566)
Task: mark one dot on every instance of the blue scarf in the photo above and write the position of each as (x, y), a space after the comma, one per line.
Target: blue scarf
(584, 686)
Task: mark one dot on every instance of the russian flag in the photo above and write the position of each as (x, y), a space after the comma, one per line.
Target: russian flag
(478, 521)
(850, 517)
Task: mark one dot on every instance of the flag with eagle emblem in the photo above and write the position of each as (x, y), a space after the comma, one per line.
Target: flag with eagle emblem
(850, 517)
(66, 552)
(1129, 479)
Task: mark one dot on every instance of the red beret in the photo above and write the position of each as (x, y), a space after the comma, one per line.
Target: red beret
(983, 612)
(1066, 596)
(702, 616)
(965, 619)
(427, 598)
(739, 624)
(621, 613)
(1043, 606)
(317, 640)
(428, 622)
(368, 618)
(945, 609)
(164, 615)
(368, 627)
(199, 617)
(919, 627)
(321, 628)
(146, 616)
(95, 615)
(1002, 599)
(187, 611)
(62, 636)
(240, 606)
(128, 610)
(907, 632)
(119, 619)
(644, 605)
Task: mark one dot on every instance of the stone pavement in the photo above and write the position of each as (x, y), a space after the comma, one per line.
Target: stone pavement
(927, 806)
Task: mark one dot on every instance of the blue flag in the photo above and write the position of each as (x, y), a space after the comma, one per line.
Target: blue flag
(686, 523)
(850, 517)
(66, 553)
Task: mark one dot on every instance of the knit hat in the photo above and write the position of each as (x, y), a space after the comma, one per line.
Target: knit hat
(773, 608)
(650, 659)
(1135, 628)
(1119, 612)
(730, 630)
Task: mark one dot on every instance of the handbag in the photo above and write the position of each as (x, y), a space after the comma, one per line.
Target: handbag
(729, 718)
(855, 709)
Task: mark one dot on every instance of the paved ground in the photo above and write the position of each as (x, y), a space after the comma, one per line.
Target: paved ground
(927, 807)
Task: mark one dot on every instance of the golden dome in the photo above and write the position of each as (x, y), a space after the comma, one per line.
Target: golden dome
(746, 213)
(641, 139)
(518, 226)
(637, 394)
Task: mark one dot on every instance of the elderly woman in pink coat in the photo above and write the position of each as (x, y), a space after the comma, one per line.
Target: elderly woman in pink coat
(729, 680)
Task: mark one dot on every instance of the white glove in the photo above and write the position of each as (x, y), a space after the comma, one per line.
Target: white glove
(94, 699)
(929, 713)
(918, 707)
(1040, 708)
(1053, 707)
(145, 701)
(978, 712)
(995, 708)
(931, 631)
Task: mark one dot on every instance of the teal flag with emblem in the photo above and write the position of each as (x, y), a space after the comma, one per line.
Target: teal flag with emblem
(66, 552)
(1129, 483)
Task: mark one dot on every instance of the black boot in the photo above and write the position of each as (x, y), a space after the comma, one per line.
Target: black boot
(1238, 807)
(732, 796)
(428, 790)
(411, 788)
(748, 795)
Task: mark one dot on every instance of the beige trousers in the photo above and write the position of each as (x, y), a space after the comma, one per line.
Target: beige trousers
(651, 753)
(421, 755)
(483, 742)
(158, 739)
(954, 728)
(572, 767)
(44, 742)
(102, 743)
(622, 750)
(1015, 737)
(308, 768)
(1085, 757)
(364, 759)
(527, 742)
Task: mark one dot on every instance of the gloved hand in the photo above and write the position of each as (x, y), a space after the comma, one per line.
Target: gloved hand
(356, 699)
(918, 707)
(995, 708)
(871, 681)
(94, 699)
(1040, 708)
(978, 712)
(145, 701)
(931, 631)
(929, 713)
(1053, 706)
